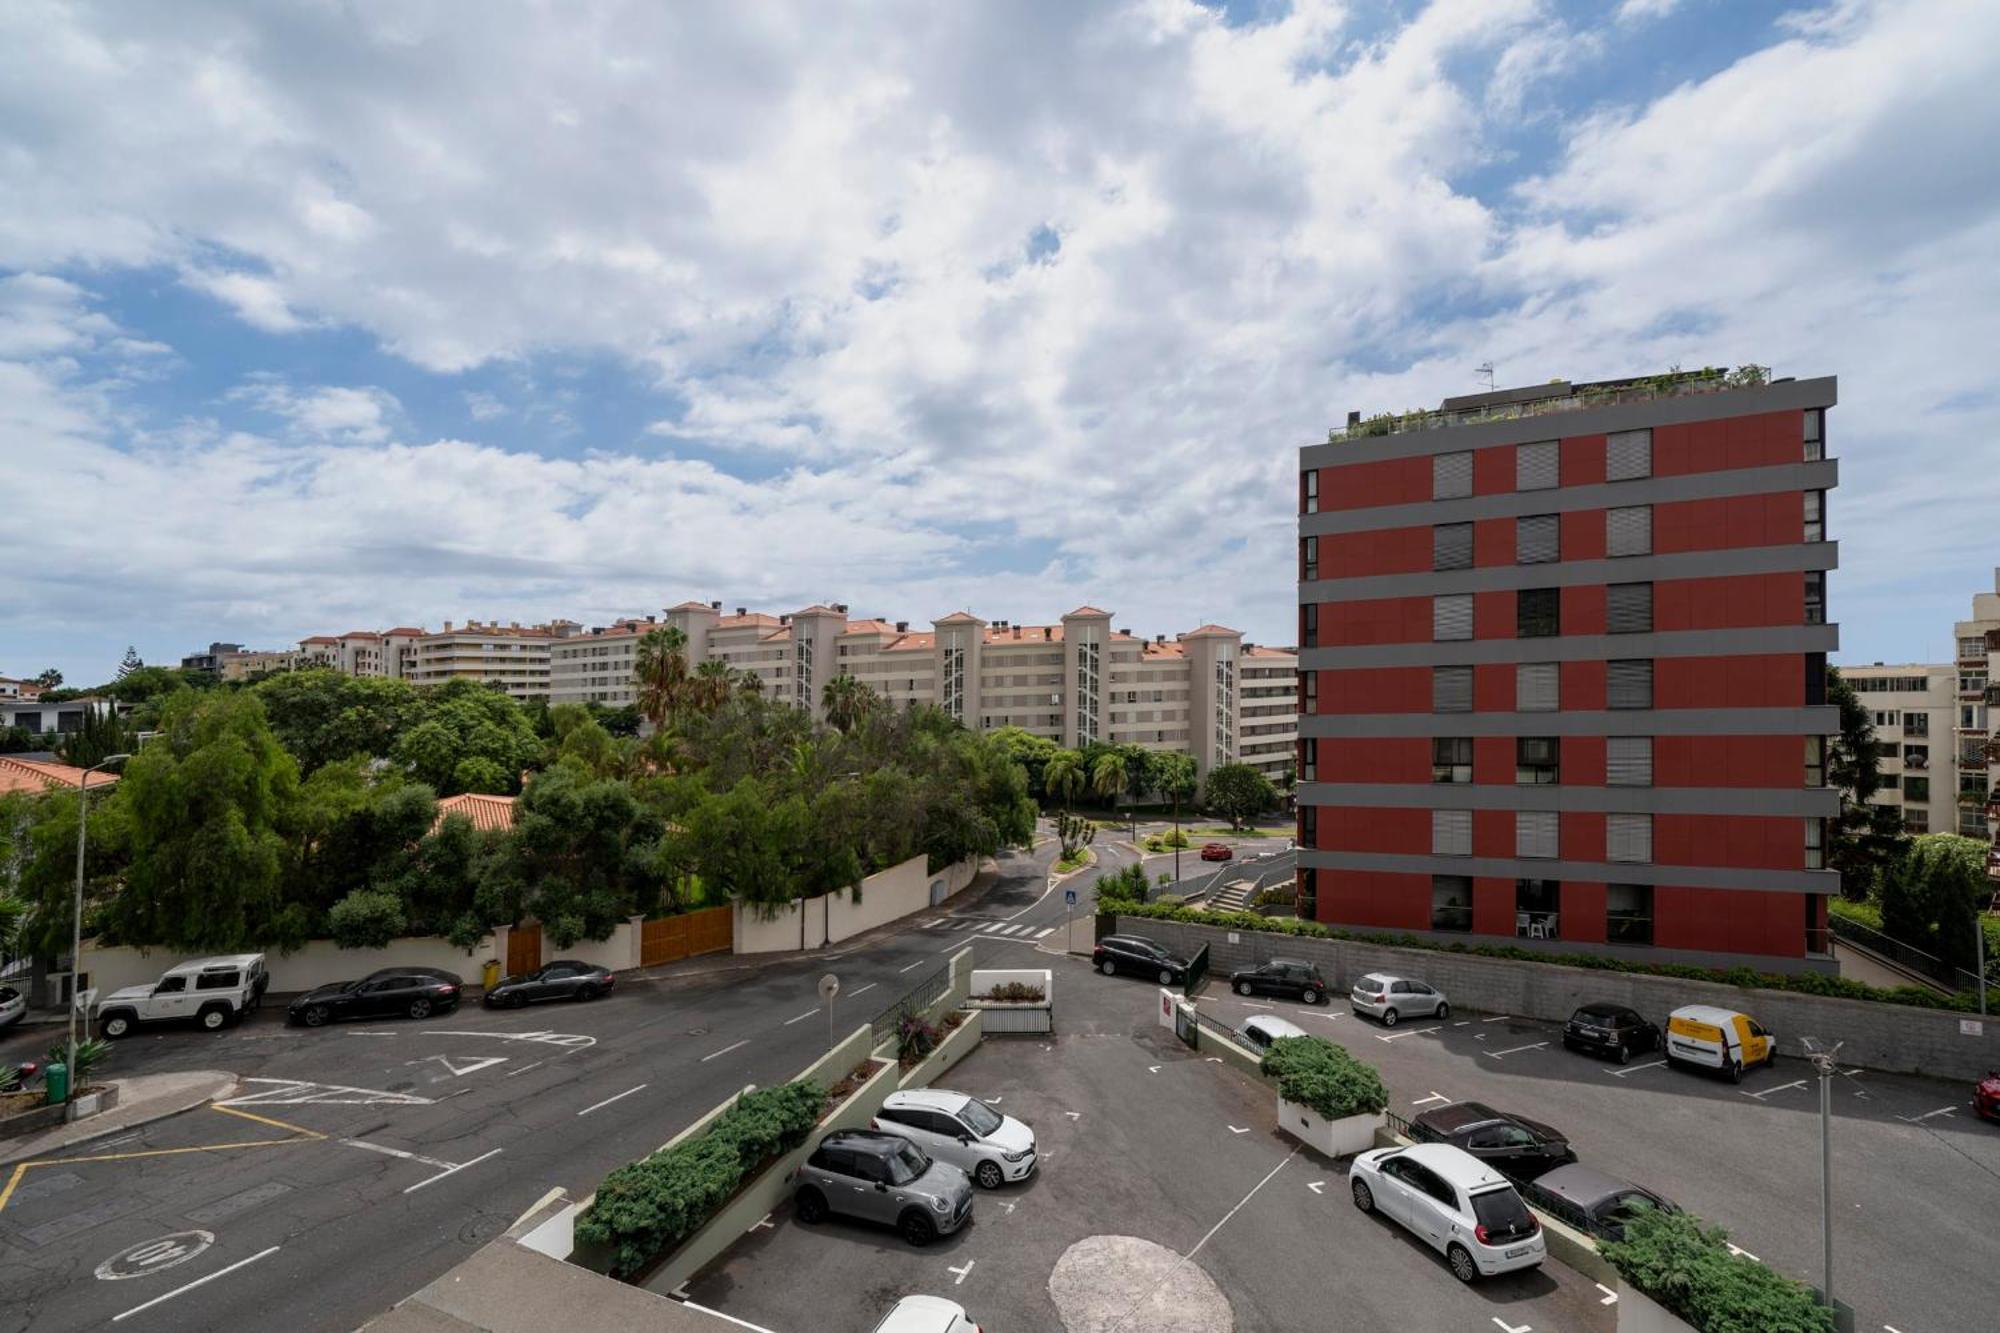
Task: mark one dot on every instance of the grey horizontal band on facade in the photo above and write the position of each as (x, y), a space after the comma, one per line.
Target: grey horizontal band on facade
(1791, 558)
(1595, 872)
(1594, 722)
(1769, 639)
(1795, 396)
(1635, 953)
(1724, 485)
(1799, 802)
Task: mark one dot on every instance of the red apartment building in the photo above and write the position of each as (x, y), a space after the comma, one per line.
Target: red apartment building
(1563, 671)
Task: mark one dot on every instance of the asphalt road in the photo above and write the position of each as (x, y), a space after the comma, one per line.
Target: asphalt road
(371, 1157)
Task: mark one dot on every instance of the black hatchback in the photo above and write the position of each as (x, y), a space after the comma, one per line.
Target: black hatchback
(416, 991)
(1290, 977)
(564, 979)
(1512, 1145)
(1610, 1029)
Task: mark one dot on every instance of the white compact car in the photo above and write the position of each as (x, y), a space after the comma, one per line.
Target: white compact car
(1389, 998)
(927, 1314)
(13, 1006)
(213, 992)
(1454, 1202)
(1259, 1032)
(964, 1131)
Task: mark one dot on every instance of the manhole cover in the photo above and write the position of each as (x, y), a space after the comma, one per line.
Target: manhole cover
(697, 1032)
(481, 1228)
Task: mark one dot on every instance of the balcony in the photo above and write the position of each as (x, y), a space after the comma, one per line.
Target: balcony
(1536, 925)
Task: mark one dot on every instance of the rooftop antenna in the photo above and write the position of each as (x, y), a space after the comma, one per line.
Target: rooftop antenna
(1486, 370)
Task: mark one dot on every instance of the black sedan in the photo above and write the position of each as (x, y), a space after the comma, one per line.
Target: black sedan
(416, 991)
(1610, 1029)
(1289, 977)
(564, 979)
(1512, 1145)
(1140, 956)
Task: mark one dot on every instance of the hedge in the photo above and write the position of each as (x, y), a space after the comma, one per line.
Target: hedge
(1806, 983)
(647, 1207)
(1319, 1074)
(1687, 1268)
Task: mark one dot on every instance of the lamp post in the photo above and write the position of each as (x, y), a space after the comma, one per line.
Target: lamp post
(76, 920)
(1824, 1062)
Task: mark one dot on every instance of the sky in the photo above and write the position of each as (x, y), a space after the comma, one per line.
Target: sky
(323, 316)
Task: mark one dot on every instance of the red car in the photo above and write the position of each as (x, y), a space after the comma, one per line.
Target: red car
(1986, 1096)
(1216, 851)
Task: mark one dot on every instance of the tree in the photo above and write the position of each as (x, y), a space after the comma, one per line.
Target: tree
(1063, 775)
(1864, 841)
(571, 858)
(1239, 793)
(1073, 834)
(131, 663)
(846, 700)
(710, 688)
(1030, 751)
(1107, 776)
(1933, 898)
(102, 735)
(471, 739)
(322, 716)
(49, 678)
(660, 670)
(1173, 776)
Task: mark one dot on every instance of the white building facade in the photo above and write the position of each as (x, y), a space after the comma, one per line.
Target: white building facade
(1915, 710)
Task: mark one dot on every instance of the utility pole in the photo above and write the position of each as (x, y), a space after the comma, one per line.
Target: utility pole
(1824, 1062)
(76, 920)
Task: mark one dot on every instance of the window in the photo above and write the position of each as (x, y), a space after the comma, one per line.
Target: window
(1815, 844)
(1916, 822)
(1815, 434)
(1451, 476)
(1451, 689)
(1309, 625)
(1451, 617)
(1451, 833)
(1815, 597)
(1628, 455)
(171, 985)
(1628, 761)
(1972, 683)
(218, 980)
(1451, 759)
(1536, 465)
(1916, 724)
(1309, 558)
(1629, 683)
(1537, 613)
(1916, 789)
(1309, 825)
(1451, 546)
(1535, 833)
(1537, 761)
(1536, 905)
(1972, 649)
(1629, 608)
(1815, 761)
(1628, 913)
(1537, 687)
(1815, 680)
(1815, 516)
(1309, 760)
(1310, 503)
(1537, 539)
(1310, 692)
(1628, 837)
(1629, 531)
(1451, 902)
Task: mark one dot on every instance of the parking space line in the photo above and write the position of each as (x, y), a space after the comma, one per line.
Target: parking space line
(1632, 1069)
(1435, 1096)
(1918, 1119)
(1497, 1018)
(725, 1050)
(1406, 1032)
(1515, 1050)
(220, 1272)
(454, 1171)
(1760, 1096)
(620, 1097)
(1210, 1234)
(1506, 1327)
(962, 1272)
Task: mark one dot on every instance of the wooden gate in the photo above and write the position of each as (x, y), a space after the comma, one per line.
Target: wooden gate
(524, 949)
(672, 938)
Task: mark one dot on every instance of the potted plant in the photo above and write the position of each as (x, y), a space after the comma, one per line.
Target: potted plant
(1326, 1097)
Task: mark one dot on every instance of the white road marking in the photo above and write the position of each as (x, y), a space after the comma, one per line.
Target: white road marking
(454, 1171)
(1074, 1114)
(1045, 930)
(1760, 1096)
(1739, 1250)
(1008, 1204)
(371, 1032)
(1917, 1119)
(1631, 1069)
(395, 1152)
(461, 1065)
(1463, 1023)
(1435, 1096)
(1497, 1018)
(1239, 1205)
(573, 1039)
(995, 926)
(962, 1272)
(296, 1092)
(1515, 1050)
(1152, 1069)
(911, 968)
(525, 1068)
(804, 1016)
(154, 1256)
(933, 923)
(620, 1097)
(1252, 1004)
(1891, 1328)
(1234, 1130)
(1610, 1296)
(112, 1143)
(725, 1050)
(761, 1224)
(1406, 1032)
(1513, 1328)
(220, 1272)
(863, 990)
(1316, 1186)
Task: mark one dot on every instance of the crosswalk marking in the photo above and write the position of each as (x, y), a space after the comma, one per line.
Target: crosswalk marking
(1045, 930)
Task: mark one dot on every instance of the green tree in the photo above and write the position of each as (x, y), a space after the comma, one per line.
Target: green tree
(464, 721)
(846, 700)
(1933, 897)
(49, 678)
(366, 919)
(322, 716)
(1030, 751)
(131, 663)
(571, 860)
(660, 669)
(1063, 776)
(1107, 776)
(1239, 793)
(1865, 840)
(102, 735)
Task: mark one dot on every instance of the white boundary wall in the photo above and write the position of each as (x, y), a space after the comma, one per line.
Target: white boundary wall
(319, 962)
(886, 896)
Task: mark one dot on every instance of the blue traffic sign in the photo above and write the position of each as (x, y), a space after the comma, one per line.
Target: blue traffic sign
(1069, 897)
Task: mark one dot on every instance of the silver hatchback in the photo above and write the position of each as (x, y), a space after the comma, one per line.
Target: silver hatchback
(883, 1178)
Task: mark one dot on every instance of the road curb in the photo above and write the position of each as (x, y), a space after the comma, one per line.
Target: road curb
(136, 1109)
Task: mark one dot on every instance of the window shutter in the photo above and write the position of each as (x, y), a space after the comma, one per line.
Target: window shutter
(1629, 608)
(1536, 465)
(1535, 833)
(1537, 539)
(1451, 616)
(1628, 455)
(1628, 761)
(1629, 531)
(1628, 837)
(1451, 833)
(1536, 687)
(1451, 689)
(1629, 684)
(1451, 476)
(1451, 546)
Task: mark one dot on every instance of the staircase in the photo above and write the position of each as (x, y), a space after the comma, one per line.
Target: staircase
(1233, 896)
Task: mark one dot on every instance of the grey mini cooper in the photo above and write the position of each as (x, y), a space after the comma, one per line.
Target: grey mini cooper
(883, 1178)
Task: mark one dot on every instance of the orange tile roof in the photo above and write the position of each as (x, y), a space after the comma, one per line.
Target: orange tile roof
(320, 638)
(1087, 611)
(961, 618)
(1029, 634)
(404, 629)
(816, 609)
(487, 813)
(361, 634)
(1207, 631)
(1163, 650)
(1265, 650)
(911, 643)
(868, 627)
(41, 775)
(692, 605)
(753, 618)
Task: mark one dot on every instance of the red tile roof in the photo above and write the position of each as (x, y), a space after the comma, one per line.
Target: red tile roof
(961, 618)
(692, 605)
(40, 775)
(1265, 650)
(1029, 634)
(320, 638)
(486, 812)
(1087, 611)
(1208, 631)
(362, 634)
(753, 618)
(405, 630)
(911, 643)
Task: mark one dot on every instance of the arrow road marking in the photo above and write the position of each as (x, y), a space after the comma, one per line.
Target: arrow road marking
(1610, 1296)
(1316, 1186)
(1234, 1130)
(962, 1272)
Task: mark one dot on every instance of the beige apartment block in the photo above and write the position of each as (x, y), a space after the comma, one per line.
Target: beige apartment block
(512, 656)
(597, 665)
(246, 663)
(1977, 647)
(1914, 709)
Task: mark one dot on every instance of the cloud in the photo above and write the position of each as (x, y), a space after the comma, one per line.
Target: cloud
(327, 412)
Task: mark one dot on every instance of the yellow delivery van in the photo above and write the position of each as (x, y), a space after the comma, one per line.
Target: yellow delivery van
(1716, 1038)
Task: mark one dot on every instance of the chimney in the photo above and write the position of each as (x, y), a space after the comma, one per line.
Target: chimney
(513, 624)
(902, 627)
(1047, 635)
(742, 610)
(447, 626)
(784, 620)
(840, 607)
(1017, 631)
(650, 620)
(1159, 638)
(715, 606)
(1353, 420)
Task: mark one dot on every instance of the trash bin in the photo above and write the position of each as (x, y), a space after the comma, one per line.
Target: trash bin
(489, 975)
(55, 1083)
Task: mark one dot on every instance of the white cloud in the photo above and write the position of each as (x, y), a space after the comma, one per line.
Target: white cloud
(327, 412)
(1641, 11)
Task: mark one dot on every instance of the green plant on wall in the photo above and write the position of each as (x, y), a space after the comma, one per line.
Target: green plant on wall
(1322, 1076)
(1689, 1269)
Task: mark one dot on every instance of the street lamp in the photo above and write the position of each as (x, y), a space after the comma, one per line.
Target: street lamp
(76, 921)
(1824, 1062)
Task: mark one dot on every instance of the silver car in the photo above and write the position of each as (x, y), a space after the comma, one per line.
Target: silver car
(13, 1007)
(1390, 998)
(883, 1178)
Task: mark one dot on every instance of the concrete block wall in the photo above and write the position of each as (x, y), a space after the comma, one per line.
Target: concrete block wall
(1893, 1037)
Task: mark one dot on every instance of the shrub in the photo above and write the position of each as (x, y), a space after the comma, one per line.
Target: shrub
(1687, 1268)
(1123, 886)
(1316, 1073)
(645, 1208)
(90, 1052)
(1014, 992)
(915, 1039)
(365, 919)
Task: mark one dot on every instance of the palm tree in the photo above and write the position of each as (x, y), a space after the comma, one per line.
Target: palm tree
(846, 700)
(1063, 775)
(1107, 776)
(749, 685)
(661, 671)
(710, 688)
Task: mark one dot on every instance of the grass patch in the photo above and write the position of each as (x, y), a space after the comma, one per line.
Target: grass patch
(1083, 857)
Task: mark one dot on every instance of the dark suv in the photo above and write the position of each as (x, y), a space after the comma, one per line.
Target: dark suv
(1140, 956)
(885, 1178)
(1512, 1145)
(1610, 1029)
(1289, 977)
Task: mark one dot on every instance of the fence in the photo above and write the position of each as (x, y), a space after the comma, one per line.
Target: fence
(1904, 955)
(912, 1001)
(672, 938)
(1197, 971)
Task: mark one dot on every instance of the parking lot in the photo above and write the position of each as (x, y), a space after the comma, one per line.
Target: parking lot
(1166, 1202)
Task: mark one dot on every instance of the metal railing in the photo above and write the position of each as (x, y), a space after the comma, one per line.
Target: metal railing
(1397, 1124)
(912, 1001)
(1944, 975)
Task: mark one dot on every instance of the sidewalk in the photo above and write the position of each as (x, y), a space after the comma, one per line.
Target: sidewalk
(141, 1100)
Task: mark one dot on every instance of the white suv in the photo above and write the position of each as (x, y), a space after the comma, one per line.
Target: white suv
(964, 1131)
(1390, 998)
(1456, 1203)
(209, 991)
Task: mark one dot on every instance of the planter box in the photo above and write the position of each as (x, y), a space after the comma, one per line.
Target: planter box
(957, 1044)
(38, 1118)
(1006, 1016)
(1336, 1138)
(1639, 1313)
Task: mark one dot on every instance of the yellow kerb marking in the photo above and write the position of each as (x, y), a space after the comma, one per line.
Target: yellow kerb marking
(298, 1134)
